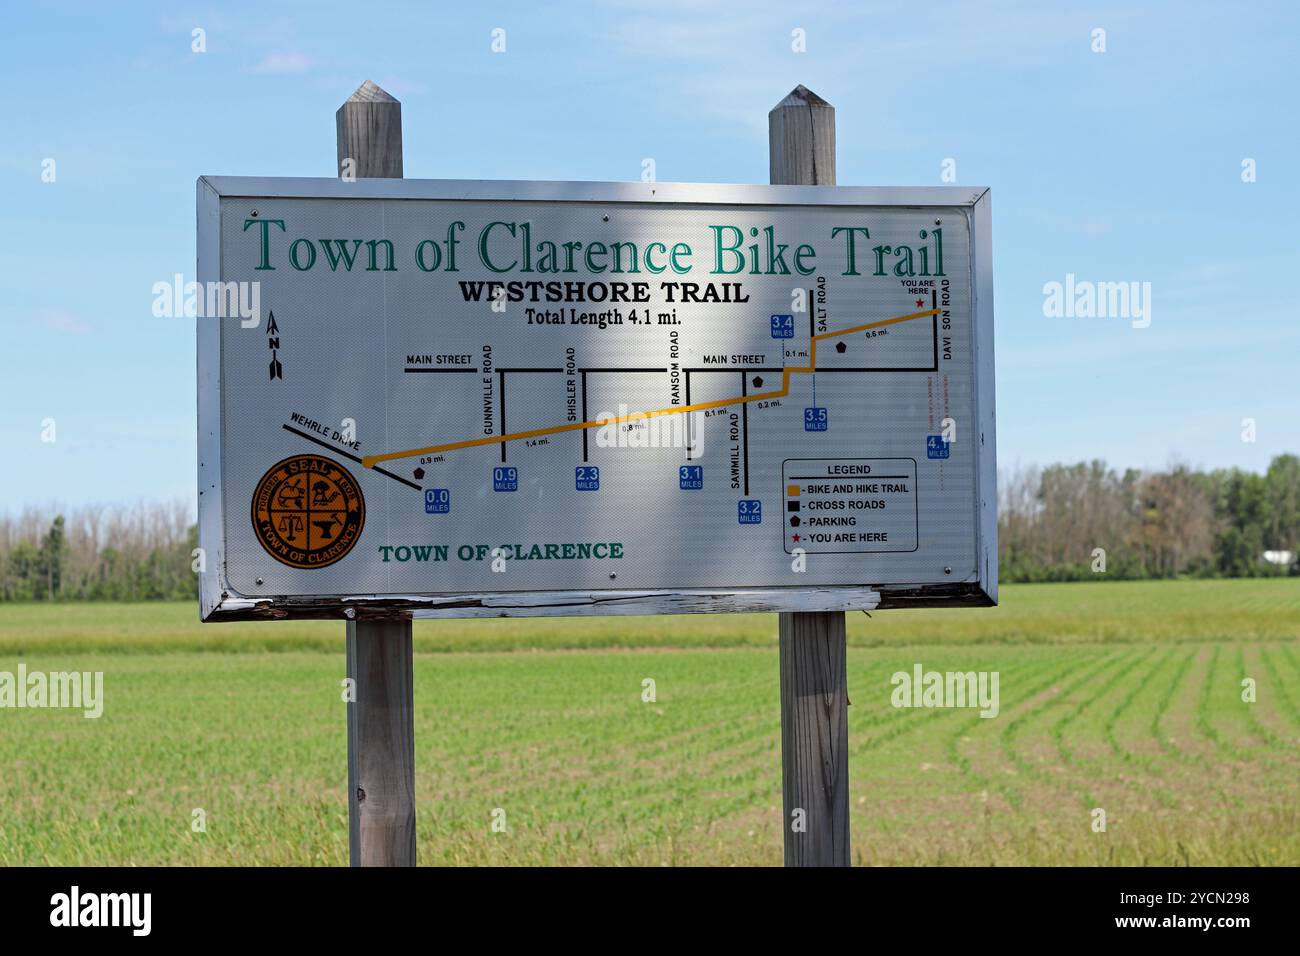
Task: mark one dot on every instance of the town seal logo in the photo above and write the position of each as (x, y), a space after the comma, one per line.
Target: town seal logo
(308, 511)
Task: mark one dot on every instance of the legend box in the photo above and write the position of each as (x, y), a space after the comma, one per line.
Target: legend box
(846, 505)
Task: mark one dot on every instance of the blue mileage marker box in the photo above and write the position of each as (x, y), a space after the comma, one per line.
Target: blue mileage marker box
(437, 501)
(691, 477)
(815, 419)
(935, 447)
(783, 326)
(587, 478)
(750, 511)
(505, 479)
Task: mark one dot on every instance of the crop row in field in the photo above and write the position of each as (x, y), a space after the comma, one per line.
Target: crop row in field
(1157, 736)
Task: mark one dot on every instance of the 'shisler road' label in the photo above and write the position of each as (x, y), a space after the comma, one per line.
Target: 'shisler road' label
(837, 505)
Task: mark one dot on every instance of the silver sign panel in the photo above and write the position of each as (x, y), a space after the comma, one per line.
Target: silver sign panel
(519, 398)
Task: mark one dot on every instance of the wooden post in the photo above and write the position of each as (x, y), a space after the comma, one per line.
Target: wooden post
(814, 692)
(381, 745)
(368, 131)
(381, 718)
(801, 140)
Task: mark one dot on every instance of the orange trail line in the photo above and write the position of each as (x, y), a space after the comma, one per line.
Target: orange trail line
(371, 460)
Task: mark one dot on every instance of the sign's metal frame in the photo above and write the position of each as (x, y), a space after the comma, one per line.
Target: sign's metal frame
(218, 601)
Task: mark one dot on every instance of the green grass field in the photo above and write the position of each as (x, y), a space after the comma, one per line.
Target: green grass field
(1123, 696)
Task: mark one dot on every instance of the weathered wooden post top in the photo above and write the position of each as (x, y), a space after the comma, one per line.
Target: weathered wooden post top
(801, 140)
(368, 130)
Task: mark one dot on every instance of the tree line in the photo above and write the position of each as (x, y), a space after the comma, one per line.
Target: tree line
(1086, 521)
(1059, 523)
(138, 553)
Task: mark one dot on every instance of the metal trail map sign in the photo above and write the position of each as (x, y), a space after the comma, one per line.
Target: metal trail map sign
(500, 399)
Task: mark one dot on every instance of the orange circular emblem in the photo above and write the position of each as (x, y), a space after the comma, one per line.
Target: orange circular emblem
(308, 511)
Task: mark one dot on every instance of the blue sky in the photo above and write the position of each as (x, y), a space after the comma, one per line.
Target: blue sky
(1116, 166)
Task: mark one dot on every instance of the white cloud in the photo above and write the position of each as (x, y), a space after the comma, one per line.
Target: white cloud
(62, 321)
(736, 63)
(400, 87)
(282, 63)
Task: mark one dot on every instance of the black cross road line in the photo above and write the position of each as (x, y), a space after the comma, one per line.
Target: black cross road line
(744, 425)
(351, 457)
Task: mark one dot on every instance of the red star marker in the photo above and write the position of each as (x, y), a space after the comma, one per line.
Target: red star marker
(796, 538)
(920, 302)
